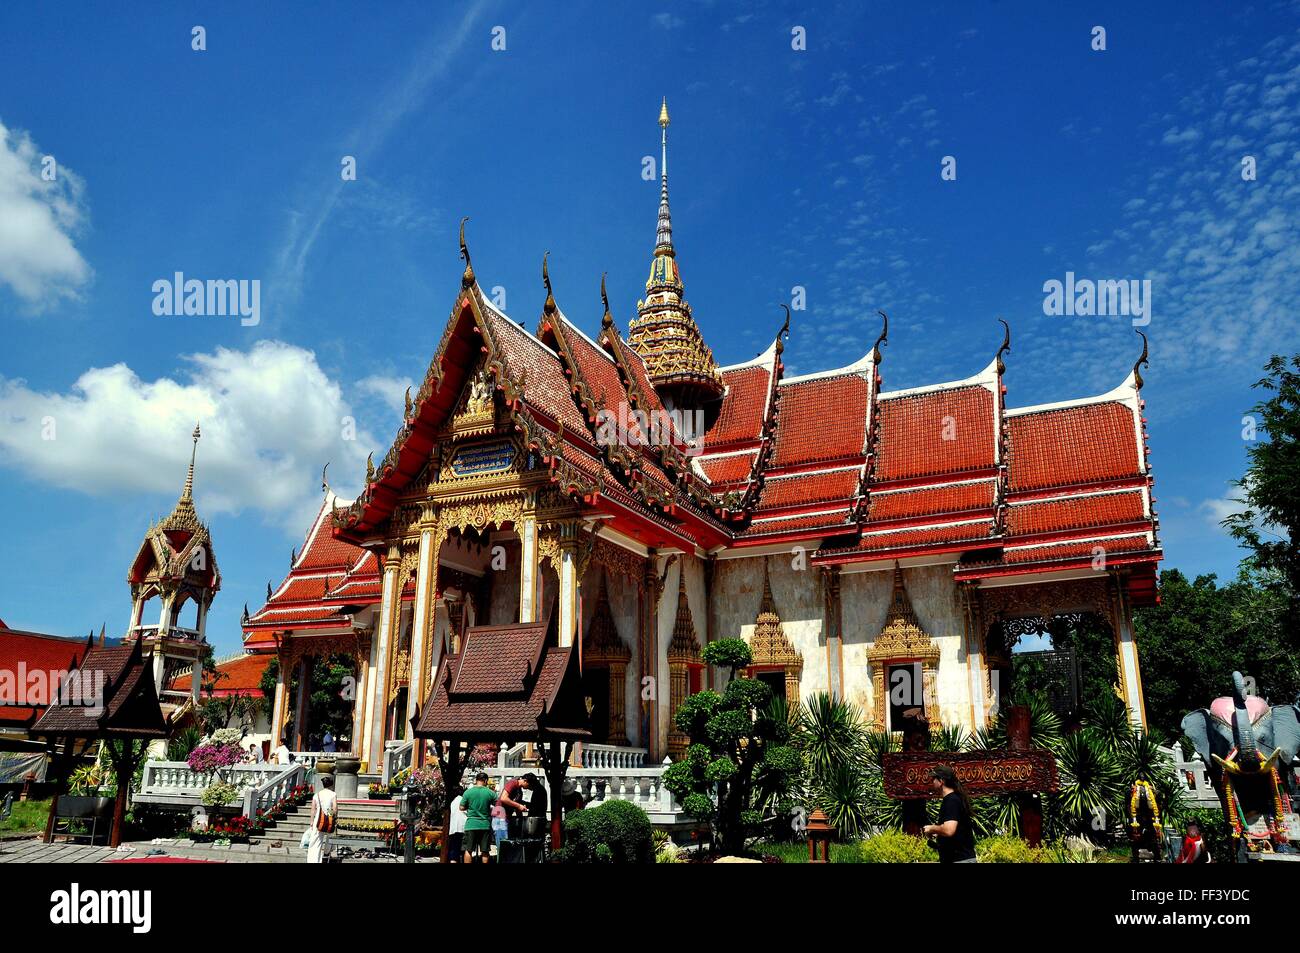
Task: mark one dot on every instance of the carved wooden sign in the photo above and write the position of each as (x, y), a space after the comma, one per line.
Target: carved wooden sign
(907, 774)
(481, 459)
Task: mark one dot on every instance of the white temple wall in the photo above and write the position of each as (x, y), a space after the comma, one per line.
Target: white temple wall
(865, 599)
(738, 591)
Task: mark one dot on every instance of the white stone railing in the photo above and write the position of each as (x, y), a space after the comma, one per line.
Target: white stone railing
(612, 756)
(397, 758)
(641, 786)
(174, 632)
(174, 780)
(308, 759)
(279, 787)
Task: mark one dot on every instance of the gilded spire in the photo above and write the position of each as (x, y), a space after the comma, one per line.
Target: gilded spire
(664, 333)
(684, 643)
(183, 515)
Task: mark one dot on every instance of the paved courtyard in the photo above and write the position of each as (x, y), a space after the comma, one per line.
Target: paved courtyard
(36, 852)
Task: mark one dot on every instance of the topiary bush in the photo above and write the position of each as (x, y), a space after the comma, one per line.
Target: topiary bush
(615, 832)
(895, 847)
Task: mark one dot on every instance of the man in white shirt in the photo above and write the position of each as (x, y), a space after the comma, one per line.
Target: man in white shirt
(457, 831)
(282, 754)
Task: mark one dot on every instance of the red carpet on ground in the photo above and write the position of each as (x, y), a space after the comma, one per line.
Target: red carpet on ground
(163, 860)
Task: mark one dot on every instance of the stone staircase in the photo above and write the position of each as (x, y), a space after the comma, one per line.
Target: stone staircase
(288, 830)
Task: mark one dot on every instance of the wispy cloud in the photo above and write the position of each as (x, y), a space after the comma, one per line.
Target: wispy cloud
(303, 226)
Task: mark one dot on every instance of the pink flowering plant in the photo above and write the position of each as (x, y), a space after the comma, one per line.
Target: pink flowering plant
(220, 750)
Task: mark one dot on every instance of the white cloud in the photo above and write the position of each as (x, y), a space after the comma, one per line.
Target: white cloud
(1216, 511)
(391, 390)
(271, 418)
(38, 219)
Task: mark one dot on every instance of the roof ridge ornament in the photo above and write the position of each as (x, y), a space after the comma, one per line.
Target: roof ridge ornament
(467, 278)
(324, 478)
(607, 319)
(784, 332)
(1006, 346)
(883, 339)
(549, 307)
(1137, 375)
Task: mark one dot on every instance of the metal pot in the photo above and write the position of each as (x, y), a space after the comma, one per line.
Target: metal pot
(533, 826)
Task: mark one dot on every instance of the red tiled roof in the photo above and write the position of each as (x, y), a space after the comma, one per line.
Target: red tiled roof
(937, 432)
(1083, 549)
(1075, 512)
(474, 694)
(34, 652)
(977, 531)
(743, 406)
(734, 468)
(118, 683)
(821, 419)
(499, 659)
(545, 387)
(809, 488)
(931, 500)
(1072, 445)
(835, 521)
(242, 675)
(326, 552)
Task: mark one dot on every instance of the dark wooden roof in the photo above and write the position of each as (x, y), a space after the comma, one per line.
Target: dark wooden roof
(110, 695)
(506, 683)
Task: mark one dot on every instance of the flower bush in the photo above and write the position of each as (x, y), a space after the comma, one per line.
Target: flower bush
(225, 828)
(210, 756)
(219, 794)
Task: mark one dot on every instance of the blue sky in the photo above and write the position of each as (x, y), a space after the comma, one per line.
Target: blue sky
(818, 168)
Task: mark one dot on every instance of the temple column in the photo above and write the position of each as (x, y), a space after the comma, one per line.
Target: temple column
(1130, 674)
(301, 703)
(647, 641)
(976, 675)
(159, 660)
(568, 572)
(378, 692)
(834, 631)
(360, 694)
(529, 574)
(426, 585)
(278, 707)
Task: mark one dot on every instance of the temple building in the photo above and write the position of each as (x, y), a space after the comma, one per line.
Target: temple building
(640, 501)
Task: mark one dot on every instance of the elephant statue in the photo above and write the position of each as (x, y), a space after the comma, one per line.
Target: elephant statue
(1248, 748)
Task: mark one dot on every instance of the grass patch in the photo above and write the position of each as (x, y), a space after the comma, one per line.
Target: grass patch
(797, 853)
(28, 816)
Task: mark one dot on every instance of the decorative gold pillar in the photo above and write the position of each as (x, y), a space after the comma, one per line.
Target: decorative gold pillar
(683, 653)
(567, 570)
(902, 640)
(390, 608)
(833, 627)
(361, 694)
(1130, 673)
(769, 645)
(981, 711)
(426, 588)
(529, 566)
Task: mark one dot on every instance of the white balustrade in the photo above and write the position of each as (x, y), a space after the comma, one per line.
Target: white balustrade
(639, 785)
(612, 756)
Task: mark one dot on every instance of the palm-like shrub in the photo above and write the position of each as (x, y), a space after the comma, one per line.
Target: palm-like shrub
(1092, 782)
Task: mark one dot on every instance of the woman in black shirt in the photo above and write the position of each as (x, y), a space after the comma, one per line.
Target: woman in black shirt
(954, 835)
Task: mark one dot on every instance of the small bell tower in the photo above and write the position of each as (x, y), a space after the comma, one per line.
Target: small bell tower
(176, 564)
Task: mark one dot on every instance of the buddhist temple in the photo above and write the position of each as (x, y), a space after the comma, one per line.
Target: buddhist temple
(637, 501)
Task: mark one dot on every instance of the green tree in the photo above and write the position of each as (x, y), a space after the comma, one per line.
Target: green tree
(1190, 644)
(740, 758)
(1269, 526)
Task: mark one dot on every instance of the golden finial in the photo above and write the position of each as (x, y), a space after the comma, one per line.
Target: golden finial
(784, 332)
(1137, 375)
(607, 319)
(883, 339)
(663, 114)
(549, 307)
(1006, 346)
(408, 403)
(188, 492)
(467, 278)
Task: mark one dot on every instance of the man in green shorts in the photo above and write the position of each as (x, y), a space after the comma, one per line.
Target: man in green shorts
(477, 804)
